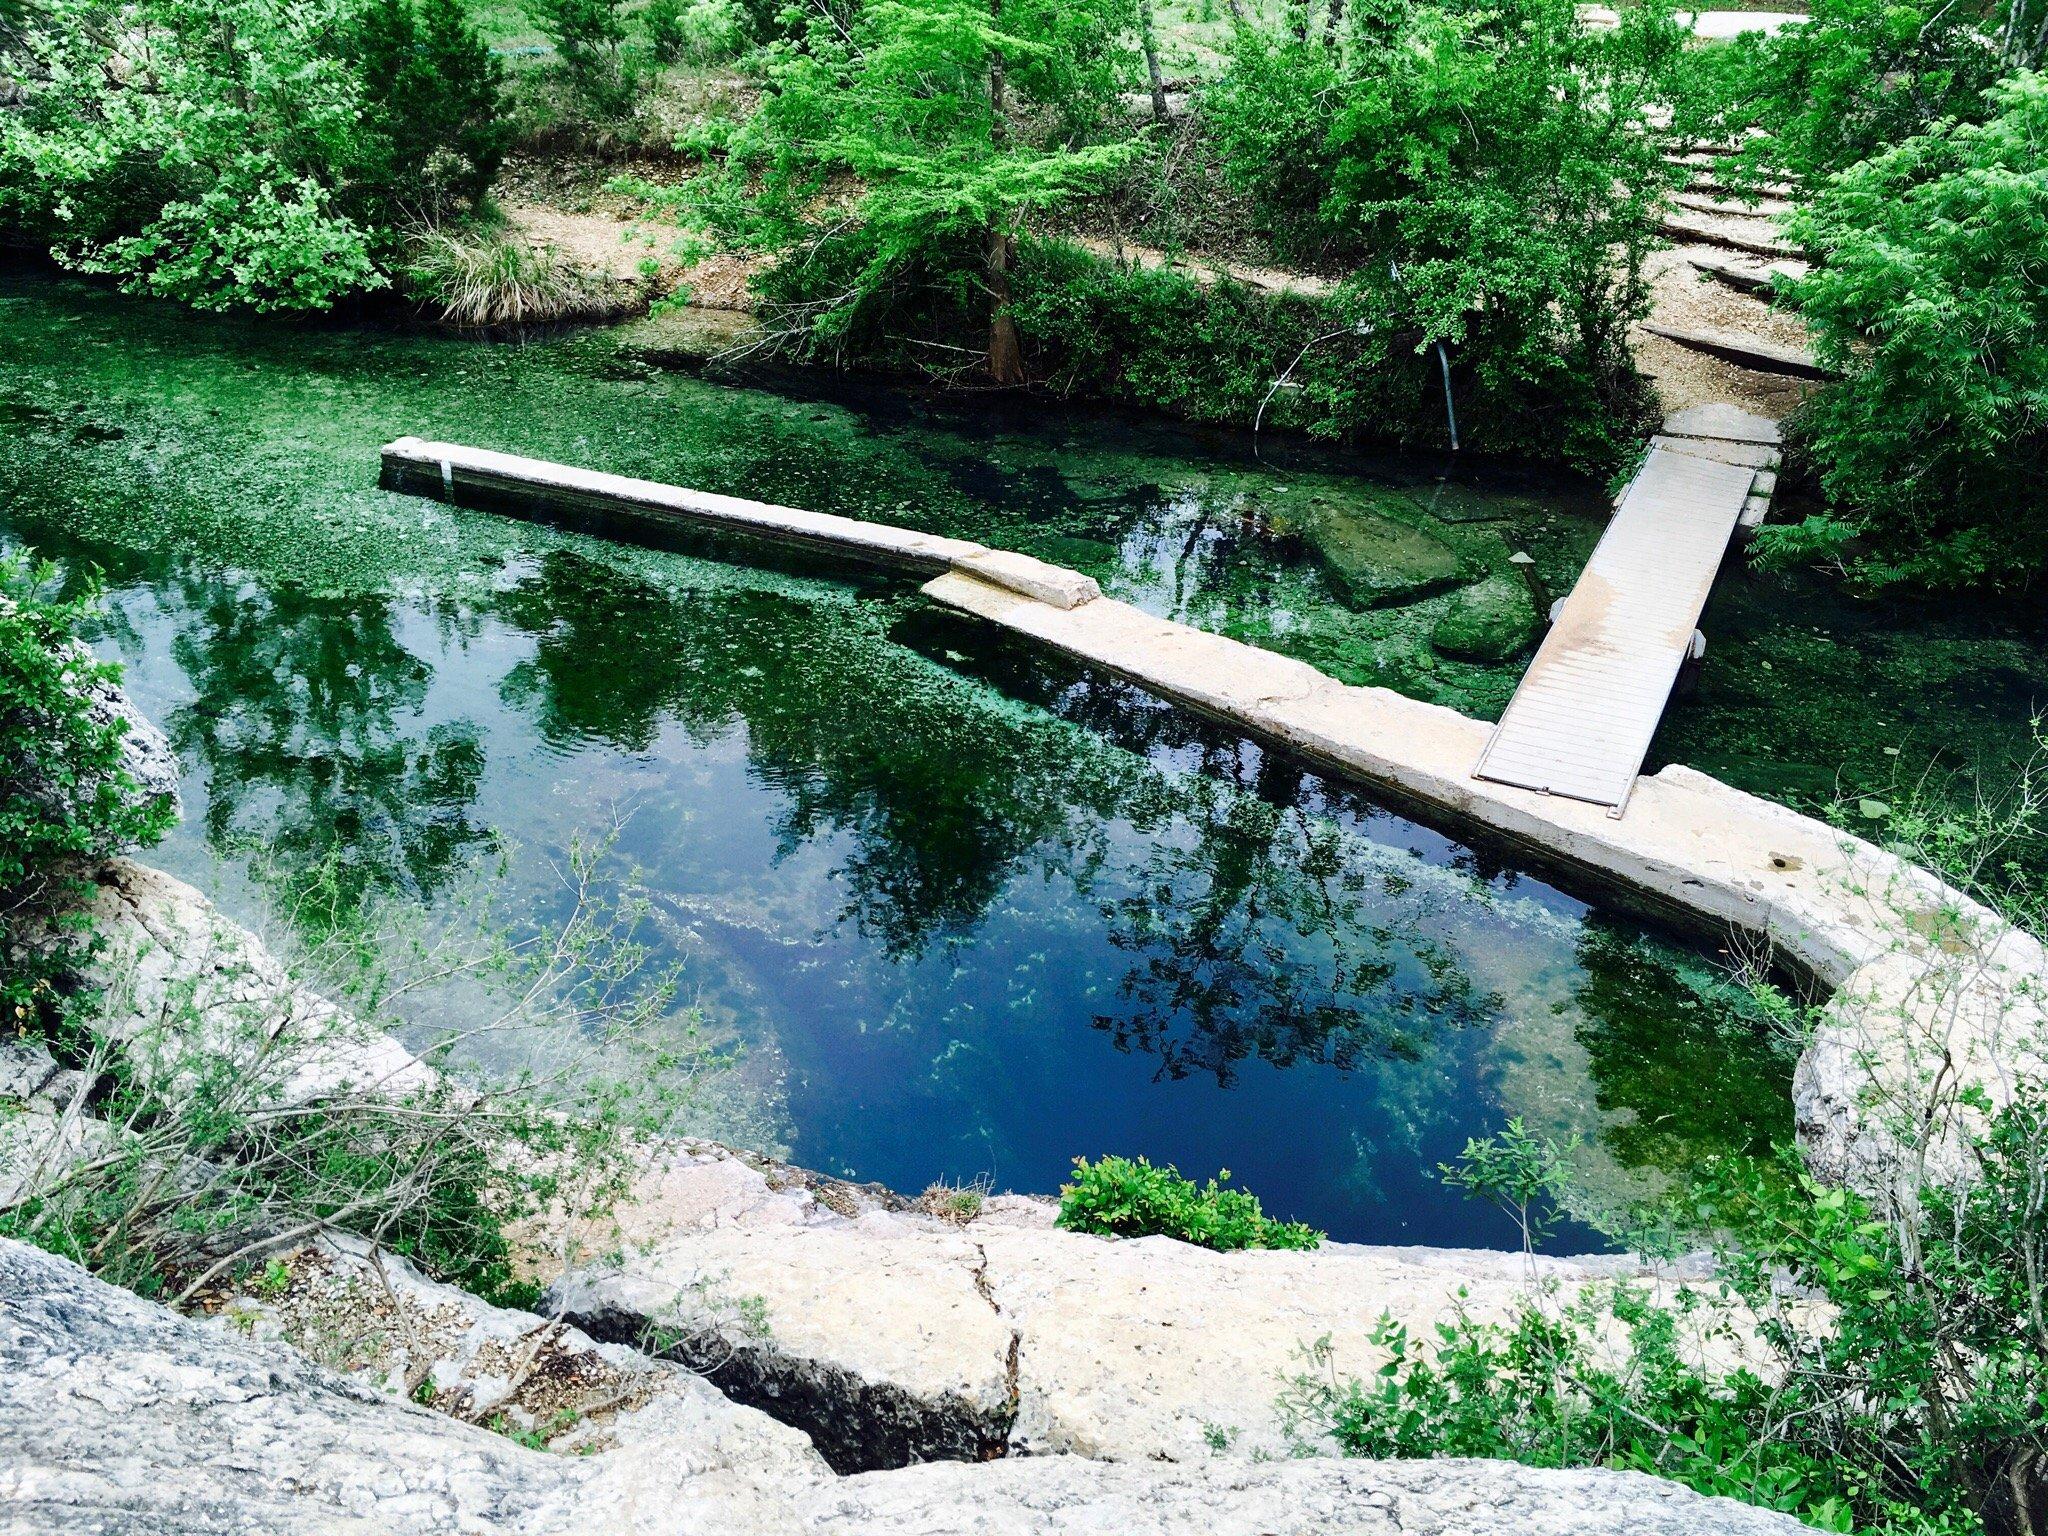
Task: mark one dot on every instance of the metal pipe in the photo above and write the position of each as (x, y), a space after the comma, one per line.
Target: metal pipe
(1450, 411)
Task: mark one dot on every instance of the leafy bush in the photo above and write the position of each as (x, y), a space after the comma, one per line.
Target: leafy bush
(1270, 115)
(253, 154)
(1933, 447)
(1125, 1197)
(676, 30)
(589, 36)
(66, 798)
(1908, 1392)
(1489, 173)
(1217, 352)
(1855, 78)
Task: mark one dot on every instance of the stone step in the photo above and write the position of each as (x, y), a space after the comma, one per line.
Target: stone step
(1746, 351)
(1762, 208)
(1754, 236)
(1727, 423)
(1746, 276)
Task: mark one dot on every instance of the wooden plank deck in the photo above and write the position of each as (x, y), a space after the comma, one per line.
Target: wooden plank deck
(1581, 721)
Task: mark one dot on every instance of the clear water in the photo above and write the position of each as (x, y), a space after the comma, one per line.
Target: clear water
(962, 911)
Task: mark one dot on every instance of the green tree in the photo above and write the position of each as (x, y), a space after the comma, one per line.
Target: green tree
(902, 152)
(590, 37)
(1856, 77)
(256, 154)
(1928, 295)
(1489, 174)
(432, 97)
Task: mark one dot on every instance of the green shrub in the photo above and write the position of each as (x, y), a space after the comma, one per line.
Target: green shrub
(1126, 1197)
(675, 30)
(1352, 366)
(258, 154)
(1897, 1374)
(1933, 449)
(902, 150)
(66, 799)
(1269, 115)
(1854, 79)
(1488, 176)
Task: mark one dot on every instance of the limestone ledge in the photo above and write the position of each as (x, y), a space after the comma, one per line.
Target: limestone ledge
(893, 1336)
(120, 1418)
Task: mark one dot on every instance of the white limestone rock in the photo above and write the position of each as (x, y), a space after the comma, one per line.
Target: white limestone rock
(176, 977)
(892, 1337)
(873, 1335)
(119, 1418)
(370, 1314)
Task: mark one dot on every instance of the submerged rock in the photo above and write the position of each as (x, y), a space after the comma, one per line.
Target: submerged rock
(1377, 560)
(1491, 620)
(119, 1418)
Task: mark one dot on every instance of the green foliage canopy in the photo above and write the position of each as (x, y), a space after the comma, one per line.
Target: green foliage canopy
(906, 146)
(242, 153)
(1930, 296)
(1487, 175)
(1856, 77)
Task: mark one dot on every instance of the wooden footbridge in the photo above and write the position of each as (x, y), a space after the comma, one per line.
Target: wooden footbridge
(1581, 721)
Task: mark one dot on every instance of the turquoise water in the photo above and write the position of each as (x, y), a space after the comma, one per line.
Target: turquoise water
(957, 910)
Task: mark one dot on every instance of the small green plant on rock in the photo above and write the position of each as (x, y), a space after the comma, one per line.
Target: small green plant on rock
(955, 1203)
(1131, 1197)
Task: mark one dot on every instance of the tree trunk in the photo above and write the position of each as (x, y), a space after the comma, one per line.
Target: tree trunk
(1005, 353)
(1005, 350)
(1150, 38)
(1236, 11)
(2014, 1501)
(1332, 22)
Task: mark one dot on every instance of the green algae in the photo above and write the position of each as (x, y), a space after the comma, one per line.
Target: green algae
(151, 429)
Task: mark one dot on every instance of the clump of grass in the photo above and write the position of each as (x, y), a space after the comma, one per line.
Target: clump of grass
(955, 1203)
(489, 275)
